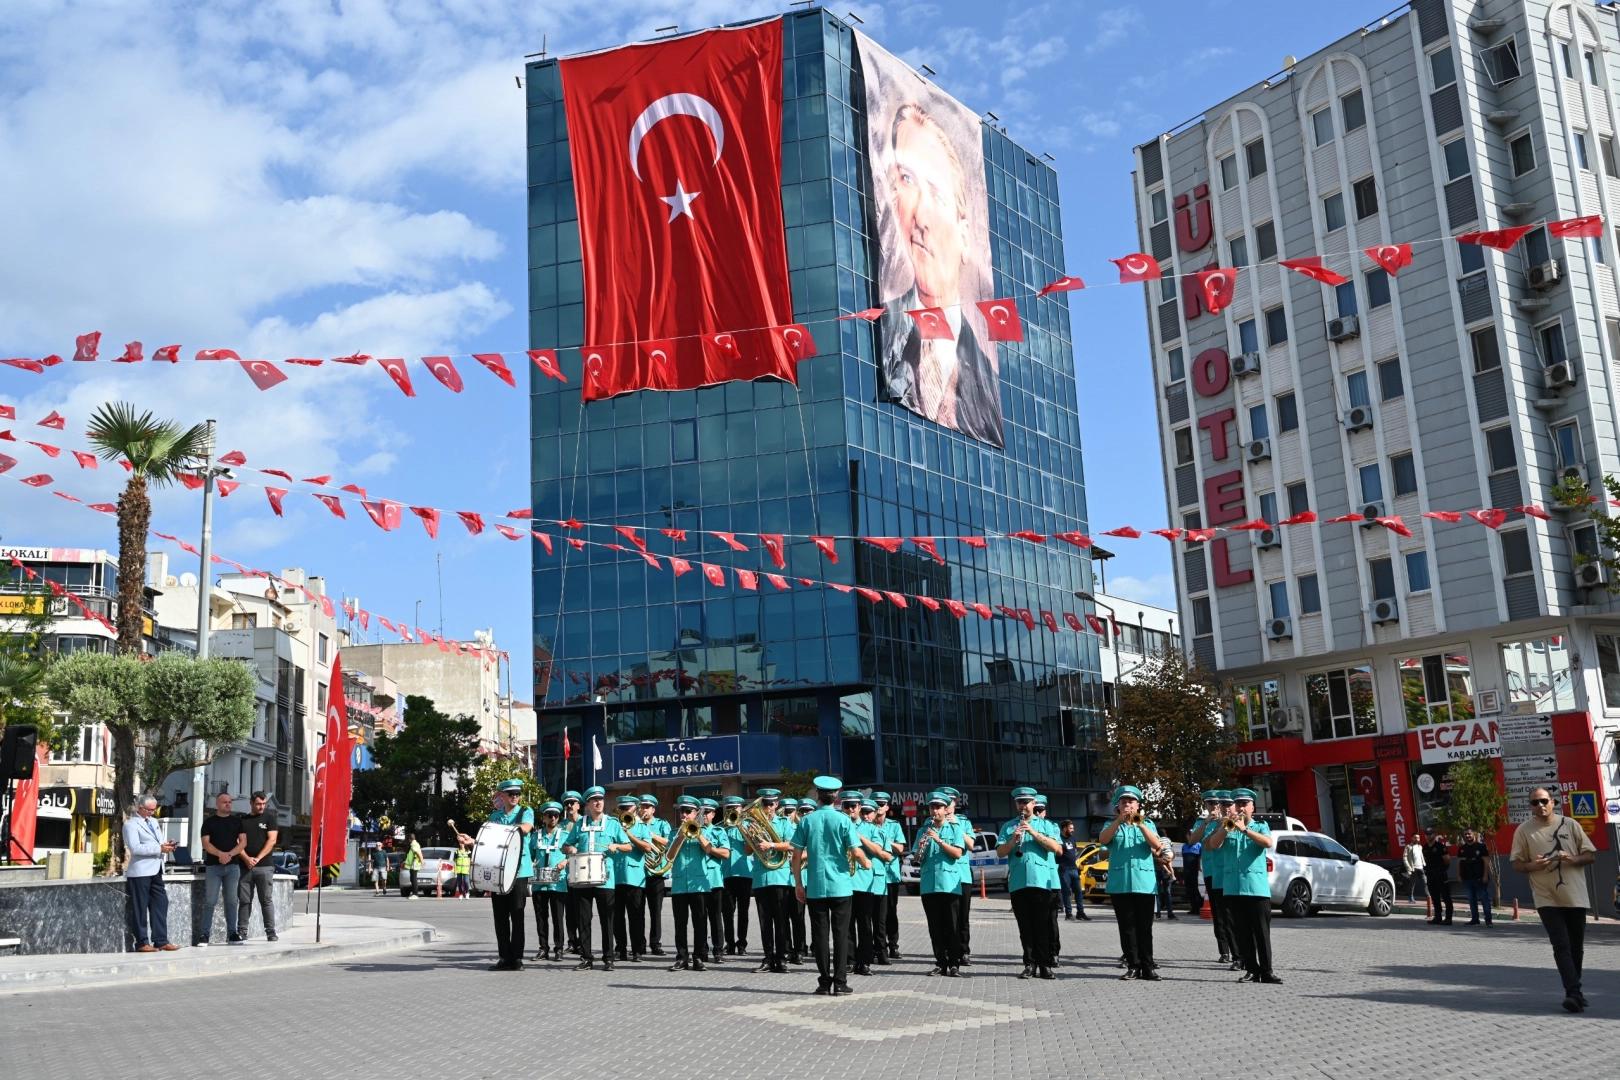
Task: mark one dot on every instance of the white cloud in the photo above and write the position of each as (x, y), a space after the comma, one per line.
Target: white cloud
(1112, 28)
(1158, 590)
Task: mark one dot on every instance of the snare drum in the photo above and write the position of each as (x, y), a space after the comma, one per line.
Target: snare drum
(496, 856)
(549, 875)
(587, 870)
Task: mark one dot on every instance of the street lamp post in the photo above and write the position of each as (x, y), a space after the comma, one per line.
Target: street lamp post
(210, 471)
(1113, 618)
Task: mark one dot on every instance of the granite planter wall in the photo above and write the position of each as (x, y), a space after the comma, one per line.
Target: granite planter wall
(94, 916)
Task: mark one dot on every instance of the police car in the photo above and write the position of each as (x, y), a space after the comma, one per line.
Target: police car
(987, 865)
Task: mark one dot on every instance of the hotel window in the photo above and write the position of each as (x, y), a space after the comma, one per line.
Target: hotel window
(1382, 572)
(1265, 241)
(1563, 53)
(1255, 154)
(1524, 154)
(320, 652)
(1487, 353)
(1456, 154)
(1176, 365)
(1268, 509)
(1580, 152)
(1442, 68)
(1567, 440)
(1499, 448)
(1436, 689)
(1184, 446)
(1377, 289)
(1417, 571)
(1608, 650)
(1310, 595)
(1276, 326)
(1403, 472)
(1248, 336)
(1252, 706)
(1167, 288)
(1341, 703)
(1322, 126)
(1229, 173)
(1372, 484)
(1354, 110)
(1390, 386)
(1366, 196)
(1471, 257)
(1333, 212)
(1258, 427)
(1345, 295)
(1583, 538)
(1611, 166)
(1516, 561)
(1239, 248)
(1552, 343)
(1591, 68)
(1538, 675)
(1536, 250)
(1161, 208)
(1279, 599)
(1202, 622)
(1355, 385)
(1299, 498)
(1287, 413)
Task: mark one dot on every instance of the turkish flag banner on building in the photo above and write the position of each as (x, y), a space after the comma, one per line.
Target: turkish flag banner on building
(676, 151)
(334, 777)
(1590, 228)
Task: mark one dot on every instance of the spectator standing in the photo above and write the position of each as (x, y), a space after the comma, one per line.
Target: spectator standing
(1551, 849)
(463, 868)
(1413, 860)
(1163, 869)
(1437, 873)
(379, 870)
(1474, 870)
(1069, 868)
(223, 840)
(143, 878)
(413, 863)
(1192, 858)
(258, 872)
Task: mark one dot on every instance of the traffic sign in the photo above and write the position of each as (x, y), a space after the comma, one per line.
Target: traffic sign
(1524, 728)
(909, 809)
(1530, 768)
(1583, 804)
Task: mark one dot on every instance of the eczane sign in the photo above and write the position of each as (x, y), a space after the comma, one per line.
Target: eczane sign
(1456, 742)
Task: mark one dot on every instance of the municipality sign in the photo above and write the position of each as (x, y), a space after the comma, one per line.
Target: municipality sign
(681, 759)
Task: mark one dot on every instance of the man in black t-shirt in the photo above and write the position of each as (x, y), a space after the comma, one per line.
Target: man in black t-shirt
(1436, 867)
(223, 839)
(258, 874)
(1474, 870)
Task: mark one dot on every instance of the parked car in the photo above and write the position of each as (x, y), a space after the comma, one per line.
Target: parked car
(1311, 871)
(438, 867)
(1094, 873)
(986, 864)
(288, 862)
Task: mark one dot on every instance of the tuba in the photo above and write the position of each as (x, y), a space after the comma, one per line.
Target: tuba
(756, 828)
(660, 863)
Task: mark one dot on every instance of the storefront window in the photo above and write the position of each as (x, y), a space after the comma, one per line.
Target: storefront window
(1341, 703)
(1436, 689)
(1538, 677)
(1432, 787)
(1252, 707)
(1359, 819)
(1608, 647)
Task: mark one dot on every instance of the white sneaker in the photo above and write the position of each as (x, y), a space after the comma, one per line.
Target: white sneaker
(202, 944)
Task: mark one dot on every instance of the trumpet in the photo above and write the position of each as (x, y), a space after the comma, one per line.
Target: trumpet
(1233, 823)
(1137, 818)
(733, 817)
(628, 819)
(659, 864)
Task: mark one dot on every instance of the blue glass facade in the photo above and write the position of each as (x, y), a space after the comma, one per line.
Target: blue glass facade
(904, 698)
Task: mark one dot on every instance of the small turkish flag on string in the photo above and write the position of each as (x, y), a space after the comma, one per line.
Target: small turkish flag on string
(1001, 317)
(928, 602)
(86, 461)
(779, 581)
(1219, 286)
(50, 451)
(897, 599)
(444, 371)
(132, 354)
(55, 420)
(522, 515)
(871, 594)
(957, 608)
(797, 340)
(658, 358)
(1125, 531)
(871, 314)
(303, 361)
(715, 574)
(1027, 618)
(333, 503)
(357, 359)
(1137, 267)
(430, 520)
(1027, 534)
(926, 543)
(544, 540)
(1491, 518)
(1500, 239)
(1050, 620)
(275, 495)
(169, 354)
(1304, 517)
(806, 582)
(1062, 284)
(748, 579)
(214, 354)
(356, 488)
(397, 371)
(192, 481)
(1311, 266)
(1257, 525)
(1340, 520)
(23, 362)
(235, 457)
(1095, 624)
(1534, 511)
(973, 541)
(932, 324)
(887, 543)
(834, 585)
(1443, 515)
(730, 540)
(496, 363)
(383, 512)
(226, 486)
(825, 544)
(263, 373)
(474, 522)
(1394, 524)
(546, 361)
(983, 610)
(631, 535)
(1074, 623)
(675, 534)
(1590, 227)
(509, 532)
(773, 544)
(85, 346)
(1198, 536)
(37, 480)
(724, 344)
(287, 476)
(1391, 256)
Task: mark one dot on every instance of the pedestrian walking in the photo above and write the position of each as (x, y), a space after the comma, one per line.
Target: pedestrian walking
(1412, 859)
(1474, 871)
(1437, 873)
(379, 870)
(508, 908)
(143, 878)
(1551, 849)
(258, 872)
(223, 839)
(1069, 875)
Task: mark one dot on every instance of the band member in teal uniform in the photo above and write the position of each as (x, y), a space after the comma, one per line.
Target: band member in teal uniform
(965, 867)
(894, 841)
(709, 811)
(870, 949)
(801, 939)
(689, 885)
(773, 889)
(1031, 853)
(1248, 885)
(657, 885)
(1212, 862)
(737, 881)
(1051, 829)
(941, 844)
(509, 810)
(596, 832)
(825, 853)
(1133, 882)
(571, 803)
(545, 848)
(629, 889)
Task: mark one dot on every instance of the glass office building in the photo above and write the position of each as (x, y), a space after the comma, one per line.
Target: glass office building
(629, 657)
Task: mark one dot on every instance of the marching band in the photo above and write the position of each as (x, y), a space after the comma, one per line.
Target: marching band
(835, 862)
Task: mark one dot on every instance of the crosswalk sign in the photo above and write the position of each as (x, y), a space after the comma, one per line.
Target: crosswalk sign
(1583, 804)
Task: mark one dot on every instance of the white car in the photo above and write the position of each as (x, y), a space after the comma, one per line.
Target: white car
(438, 868)
(986, 864)
(1311, 871)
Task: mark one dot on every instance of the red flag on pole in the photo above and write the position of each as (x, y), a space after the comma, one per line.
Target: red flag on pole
(333, 778)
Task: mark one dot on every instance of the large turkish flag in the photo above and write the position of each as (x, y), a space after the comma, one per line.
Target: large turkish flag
(678, 172)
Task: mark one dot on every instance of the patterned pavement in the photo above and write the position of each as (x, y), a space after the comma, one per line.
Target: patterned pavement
(1363, 998)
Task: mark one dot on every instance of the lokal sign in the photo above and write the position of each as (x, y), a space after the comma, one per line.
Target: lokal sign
(1457, 742)
(680, 759)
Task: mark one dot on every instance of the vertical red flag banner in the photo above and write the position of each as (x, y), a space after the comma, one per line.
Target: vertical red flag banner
(676, 150)
(25, 810)
(334, 775)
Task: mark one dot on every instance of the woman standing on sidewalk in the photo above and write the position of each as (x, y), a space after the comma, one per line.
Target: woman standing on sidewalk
(1413, 859)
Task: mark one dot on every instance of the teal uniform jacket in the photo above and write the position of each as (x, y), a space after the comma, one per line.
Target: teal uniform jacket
(715, 867)
(518, 815)
(893, 833)
(783, 875)
(1209, 862)
(660, 828)
(690, 873)
(1130, 862)
(588, 837)
(546, 850)
(1246, 866)
(1217, 863)
(879, 872)
(965, 865)
(861, 880)
(1029, 865)
(939, 872)
(741, 863)
(825, 837)
(628, 866)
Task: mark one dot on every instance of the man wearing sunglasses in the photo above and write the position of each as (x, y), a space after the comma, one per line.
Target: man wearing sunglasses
(1551, 849)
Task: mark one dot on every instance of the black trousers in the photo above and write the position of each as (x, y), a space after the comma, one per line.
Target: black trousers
(654, 890)
(891, 920)
(1134, 913)
(604, 900)
(964, 926)
(1221, 919)
(571, 917)
(509, 922)
(717, 928)
(1566, 929)
(1055, 905)
(775, 914)
(690, 907)
(1440, 890)
(738, 891)
(548, 918)
(1032, 908)
(942, 910)
(1251, 927)
(861, 942)
(796, 921)
(630, 913)
(829, 938)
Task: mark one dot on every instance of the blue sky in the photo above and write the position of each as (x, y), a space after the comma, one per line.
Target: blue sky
(303, 178)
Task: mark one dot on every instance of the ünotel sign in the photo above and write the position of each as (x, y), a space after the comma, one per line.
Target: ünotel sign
(1458, 742)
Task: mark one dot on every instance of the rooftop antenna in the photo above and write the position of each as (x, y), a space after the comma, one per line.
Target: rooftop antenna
(1049, 157)
(856, 17)
(663, 29)
(992, 115)
(930, 70)
(541, 54)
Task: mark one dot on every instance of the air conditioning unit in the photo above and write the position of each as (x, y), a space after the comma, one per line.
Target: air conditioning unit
(1246, 364)
(1288, 720)
(1577, 472)
(1591, 575)
(292, 626)
(1267, 539)
(1370, 511)
(1543, 276)
(1280, 629)
(1257, 450)
(1344, 328)
(1385, 611)
(1358, 418)
(1559, 375)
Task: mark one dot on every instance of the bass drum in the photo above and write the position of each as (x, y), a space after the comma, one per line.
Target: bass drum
(496, 856)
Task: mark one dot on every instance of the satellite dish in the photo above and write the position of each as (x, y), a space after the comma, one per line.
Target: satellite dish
(1289, 62)
(188, 579)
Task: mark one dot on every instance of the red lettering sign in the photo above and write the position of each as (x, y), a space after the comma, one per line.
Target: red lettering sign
(1194, 225)
(1223, 497)
(1215, 423)
(1211, 372)
(1224, 574)
(1396, 812)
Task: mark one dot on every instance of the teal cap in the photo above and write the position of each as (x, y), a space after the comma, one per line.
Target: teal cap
(1223, 795)
(649, 800)
(828, 783)
(1213, 795)
(807, 804)
(733, 800)
(952, 792)
(571, 794)
(881, 797)
(1125, 790)
(869, 804)
(1023, 793)
(1242, 793)
(511, 784)
(626, 801)
(552, 807)
(1040, 800)
(708, 804)
(768, 793)
(595, 793)
(939, 798)
(851, 796)
(686, 802)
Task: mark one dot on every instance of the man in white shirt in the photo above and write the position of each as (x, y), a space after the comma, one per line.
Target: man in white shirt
(1551, 850)
(143, 840)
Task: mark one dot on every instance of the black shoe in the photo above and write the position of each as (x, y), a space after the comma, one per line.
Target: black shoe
(698, 965)
(863, 970)
(679, 965)
(1448, 920)
(1249, 976)
(966, 962)
(1236, 965)
(517, 965)
(1130, 974)
(635, 958)
(1083, 917)
(656, 951)
(1225, 958)
(1572, 1004)
(795, 958)
(607, 965)
(779, 968)
(742, 948)
(1046, 973)
(763, 969)
(937, 972)
(1472, 922)
(1580, 997)
(1153, 965)
(556, 955)
(1268, 977)
(1027, 973)
(1158, 914)
(542, 955)
(1124, 963)
(271, 936)
(1068, 918)
(1150, 976)
(842, 990)
(894, 952)
(585, 965)
(1171, 916)
(499, 965)
(824, 991)
(718, 959)
(958, 973)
